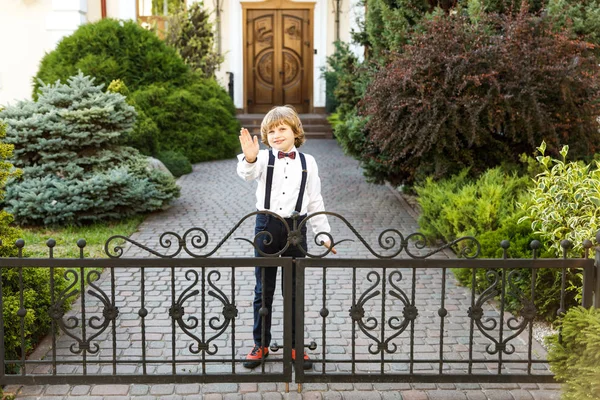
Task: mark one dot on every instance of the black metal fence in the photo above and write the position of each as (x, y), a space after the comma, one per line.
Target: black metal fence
(396, 317)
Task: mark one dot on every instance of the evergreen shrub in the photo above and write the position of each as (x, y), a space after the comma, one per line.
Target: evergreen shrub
(351, 79)
(144, 135)
(110, 50)
(74, 171)
(581, 17)
(191, 33)
(197, 121)
(461, 206)
(488, 209)
(574, 354)
(339, 63)
(177, 163)
(389, 24)
(465, 95)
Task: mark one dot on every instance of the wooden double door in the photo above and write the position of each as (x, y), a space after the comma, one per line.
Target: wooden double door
(278, 58)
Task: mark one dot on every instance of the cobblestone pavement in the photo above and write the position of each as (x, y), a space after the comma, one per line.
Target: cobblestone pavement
(213, 197)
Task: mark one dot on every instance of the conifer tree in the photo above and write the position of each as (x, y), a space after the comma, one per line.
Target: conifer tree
(74, 170)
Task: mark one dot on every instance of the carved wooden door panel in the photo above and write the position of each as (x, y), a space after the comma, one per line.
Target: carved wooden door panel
(278, 59)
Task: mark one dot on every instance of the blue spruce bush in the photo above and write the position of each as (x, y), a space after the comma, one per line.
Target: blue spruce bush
(74, 170)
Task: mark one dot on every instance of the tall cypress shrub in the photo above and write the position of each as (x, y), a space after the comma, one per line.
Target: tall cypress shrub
(74, 171)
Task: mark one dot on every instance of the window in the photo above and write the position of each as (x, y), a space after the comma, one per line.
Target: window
(151, 14)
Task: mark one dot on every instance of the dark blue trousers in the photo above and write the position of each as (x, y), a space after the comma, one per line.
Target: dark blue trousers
(277, 229)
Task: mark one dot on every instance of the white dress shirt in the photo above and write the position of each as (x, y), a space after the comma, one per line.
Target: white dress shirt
(287, 176)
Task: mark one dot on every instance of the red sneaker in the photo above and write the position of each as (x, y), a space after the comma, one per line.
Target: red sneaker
(307, 363)
(254, 358)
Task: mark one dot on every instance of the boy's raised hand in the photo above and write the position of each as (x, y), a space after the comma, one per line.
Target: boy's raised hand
(250, 145)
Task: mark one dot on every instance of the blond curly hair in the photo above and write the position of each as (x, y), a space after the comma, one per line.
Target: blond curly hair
(282, 115)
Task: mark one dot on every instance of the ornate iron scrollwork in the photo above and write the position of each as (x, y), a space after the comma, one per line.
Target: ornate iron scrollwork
(109, 313)
(357, 313)
(476, 313)
(391, 241)
(177, 312)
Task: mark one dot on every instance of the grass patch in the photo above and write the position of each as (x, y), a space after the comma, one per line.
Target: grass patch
(66, 238)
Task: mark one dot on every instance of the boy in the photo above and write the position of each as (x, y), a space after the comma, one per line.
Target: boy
(293, 185)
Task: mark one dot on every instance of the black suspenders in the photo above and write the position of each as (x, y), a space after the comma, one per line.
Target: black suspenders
(302, 184)
(269, 183)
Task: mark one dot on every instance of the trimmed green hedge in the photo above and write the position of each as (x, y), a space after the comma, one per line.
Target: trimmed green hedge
(197, 121)
(110, 50)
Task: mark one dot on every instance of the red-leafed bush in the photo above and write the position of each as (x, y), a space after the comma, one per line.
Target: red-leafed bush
(477, 95)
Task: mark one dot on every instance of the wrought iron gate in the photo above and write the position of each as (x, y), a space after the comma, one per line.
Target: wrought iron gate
(380, 319)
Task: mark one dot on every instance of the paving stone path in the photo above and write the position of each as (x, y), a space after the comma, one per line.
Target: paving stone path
(213, 197)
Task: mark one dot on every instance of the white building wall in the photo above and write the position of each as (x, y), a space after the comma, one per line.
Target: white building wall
(29, 29)
(356, 12)
(24, 40)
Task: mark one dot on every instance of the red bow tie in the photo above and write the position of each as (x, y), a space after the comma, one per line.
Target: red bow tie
(291, 155)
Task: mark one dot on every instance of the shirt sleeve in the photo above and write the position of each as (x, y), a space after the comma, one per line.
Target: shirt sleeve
(319, 224)
(250, 171)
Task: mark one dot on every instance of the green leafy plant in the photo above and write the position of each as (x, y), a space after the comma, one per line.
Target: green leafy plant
(564, 201)
(564, 205)
(574, 354)
(144, 135)
(465, 95)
